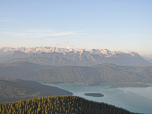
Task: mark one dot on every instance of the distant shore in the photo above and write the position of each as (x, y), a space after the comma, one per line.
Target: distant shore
(98, 84)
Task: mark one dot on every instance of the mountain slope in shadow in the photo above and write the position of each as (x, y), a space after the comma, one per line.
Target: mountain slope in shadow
(16, 89)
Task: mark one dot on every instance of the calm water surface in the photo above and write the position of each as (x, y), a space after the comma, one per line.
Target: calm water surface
(133, 97)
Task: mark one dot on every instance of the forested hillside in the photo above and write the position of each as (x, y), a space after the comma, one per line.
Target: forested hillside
(16, 89)
(59, 105)
(92, 75)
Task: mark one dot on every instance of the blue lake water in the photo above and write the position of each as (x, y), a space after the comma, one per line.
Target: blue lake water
(133, 97)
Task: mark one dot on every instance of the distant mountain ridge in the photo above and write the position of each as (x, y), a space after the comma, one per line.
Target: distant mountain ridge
(149, 59)
(81, 52)
(72, 57)
(91, 75)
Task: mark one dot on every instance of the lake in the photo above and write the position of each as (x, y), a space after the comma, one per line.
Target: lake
(133, 97)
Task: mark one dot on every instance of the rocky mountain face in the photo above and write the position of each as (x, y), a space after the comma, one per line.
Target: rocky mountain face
(37, 49)
(72, 57)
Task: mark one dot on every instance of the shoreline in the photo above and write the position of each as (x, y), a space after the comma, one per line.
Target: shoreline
(150, 84)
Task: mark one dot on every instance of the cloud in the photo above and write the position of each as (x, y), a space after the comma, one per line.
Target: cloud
(37, 33)
(63, 34)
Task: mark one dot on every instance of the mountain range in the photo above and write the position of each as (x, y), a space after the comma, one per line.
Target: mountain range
(54, 56)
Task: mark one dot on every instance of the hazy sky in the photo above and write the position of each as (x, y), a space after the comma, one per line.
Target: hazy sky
(122, 25)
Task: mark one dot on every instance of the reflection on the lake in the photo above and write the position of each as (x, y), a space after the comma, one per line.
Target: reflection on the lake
(133, 97)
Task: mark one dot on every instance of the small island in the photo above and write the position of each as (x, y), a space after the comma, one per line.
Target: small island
(94, 94)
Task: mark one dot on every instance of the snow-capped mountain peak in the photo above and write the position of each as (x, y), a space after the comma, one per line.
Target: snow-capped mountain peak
(104, 52)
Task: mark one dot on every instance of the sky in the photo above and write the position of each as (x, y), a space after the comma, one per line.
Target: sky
(121, 25)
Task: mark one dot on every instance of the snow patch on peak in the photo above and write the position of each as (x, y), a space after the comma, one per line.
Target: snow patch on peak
(133, 53)
(70, 48)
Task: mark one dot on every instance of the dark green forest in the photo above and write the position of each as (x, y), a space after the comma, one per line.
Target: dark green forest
(59, 105)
